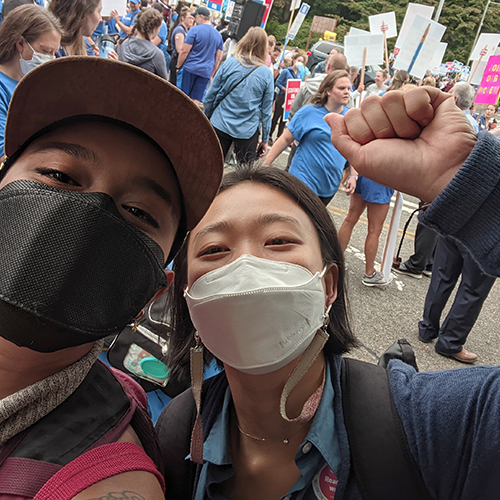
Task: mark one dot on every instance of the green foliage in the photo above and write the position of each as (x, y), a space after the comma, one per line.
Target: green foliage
(461, 17)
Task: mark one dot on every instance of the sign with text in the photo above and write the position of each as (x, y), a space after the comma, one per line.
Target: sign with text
(356, 44)
(489, 41)
(384, 22)
(419, 46)
(412, 10)
(292, 89)
(304, 9)
(490, 85)
(109, 5)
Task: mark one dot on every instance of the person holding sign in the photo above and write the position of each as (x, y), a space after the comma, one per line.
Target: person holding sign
(317, 163)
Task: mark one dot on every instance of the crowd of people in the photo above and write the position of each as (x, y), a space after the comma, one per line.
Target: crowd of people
(106, 209)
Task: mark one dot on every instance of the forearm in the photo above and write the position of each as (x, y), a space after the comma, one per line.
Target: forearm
(467, 209)
(218, 59)
(182, 58)
(126, 29)
(278, 147)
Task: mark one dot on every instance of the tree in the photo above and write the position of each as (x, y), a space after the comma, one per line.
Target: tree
(461, 18)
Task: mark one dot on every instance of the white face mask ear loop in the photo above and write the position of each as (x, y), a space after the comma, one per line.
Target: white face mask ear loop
(196, 383)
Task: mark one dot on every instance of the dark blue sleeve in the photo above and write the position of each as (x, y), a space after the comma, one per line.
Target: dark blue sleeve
(452, 420)
(468, 209)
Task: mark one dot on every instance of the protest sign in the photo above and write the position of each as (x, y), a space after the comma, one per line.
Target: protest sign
(109, 5)
(304, 9)
(292, 89)
(478, 74)
(356, 31)
(215, 5)
(295, 4)
(355, 46)
(438, 55)
(419, 46)
(488, 41)
(489, 89)
(412, 10)
(321, 24)
(265, 17)
(388, 20)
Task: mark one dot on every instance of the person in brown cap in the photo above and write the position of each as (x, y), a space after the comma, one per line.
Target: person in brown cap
(95, 199)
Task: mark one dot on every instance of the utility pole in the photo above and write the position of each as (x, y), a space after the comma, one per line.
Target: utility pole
(438, 11)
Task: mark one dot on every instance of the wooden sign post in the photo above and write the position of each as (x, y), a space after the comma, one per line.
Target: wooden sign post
(384, 29)
(481, 55)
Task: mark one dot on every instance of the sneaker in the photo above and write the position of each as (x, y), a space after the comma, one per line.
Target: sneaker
(376, 279)
(427, 272)
(403, 269)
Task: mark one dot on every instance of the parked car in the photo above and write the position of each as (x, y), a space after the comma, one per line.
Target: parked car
(321, 50)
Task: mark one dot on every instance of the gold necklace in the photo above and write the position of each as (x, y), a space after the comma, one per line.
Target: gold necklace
(284, 441)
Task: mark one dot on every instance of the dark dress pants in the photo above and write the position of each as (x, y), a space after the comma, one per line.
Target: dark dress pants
(450, 260)
(245, 149)
(278, 115)
(425, 244)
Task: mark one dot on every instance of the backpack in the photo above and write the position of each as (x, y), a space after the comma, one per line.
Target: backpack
(95, 416)
(381, 460)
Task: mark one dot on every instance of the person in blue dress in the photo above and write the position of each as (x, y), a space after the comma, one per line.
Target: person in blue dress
(317, 163)
(29, 36)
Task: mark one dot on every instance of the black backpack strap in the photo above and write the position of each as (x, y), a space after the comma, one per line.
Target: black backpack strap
(380, 456)
(174, 433)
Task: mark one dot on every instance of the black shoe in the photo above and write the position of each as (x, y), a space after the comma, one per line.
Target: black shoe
(403, 269)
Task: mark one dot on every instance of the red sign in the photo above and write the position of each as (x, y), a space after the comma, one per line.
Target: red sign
(268, 4)
(490, 84)
(396, 51)
(292, 89)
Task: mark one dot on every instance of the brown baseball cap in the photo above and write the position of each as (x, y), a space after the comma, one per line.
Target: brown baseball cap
(84, 86)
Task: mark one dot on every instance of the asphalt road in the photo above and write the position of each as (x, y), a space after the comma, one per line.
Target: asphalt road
(381, 316)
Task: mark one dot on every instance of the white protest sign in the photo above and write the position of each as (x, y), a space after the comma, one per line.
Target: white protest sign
(295, 4)
(304, 9)
(478, 75)
(109, 5)
(412, 10)
(488, 40)
(356, 44)
(356, 31)
(438, 55)
(419, 46)
(390, 242)
(385, 21)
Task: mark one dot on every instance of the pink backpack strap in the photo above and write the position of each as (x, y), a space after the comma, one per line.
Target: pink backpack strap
(96, 465)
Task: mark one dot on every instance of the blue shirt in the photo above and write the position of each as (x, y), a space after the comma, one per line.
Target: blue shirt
(318, 457)
(284, 76)
(163, 36)
(7, 87)
(240, 113)
(205, 41)
(178, 29)
(316, 163)
(128, 20)
(473, 122)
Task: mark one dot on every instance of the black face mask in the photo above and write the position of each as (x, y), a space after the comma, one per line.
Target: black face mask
(72, 269)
